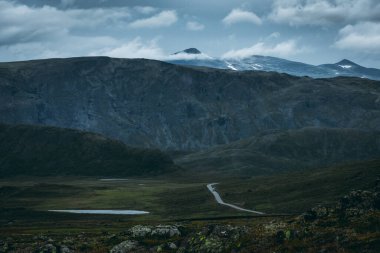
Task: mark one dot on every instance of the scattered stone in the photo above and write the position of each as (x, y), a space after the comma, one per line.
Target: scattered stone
(65, 249)
(172, 246)
(165, 231)
(124, 247)
(48, 248)
(140, 231)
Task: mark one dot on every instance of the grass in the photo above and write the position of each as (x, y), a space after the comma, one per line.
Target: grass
(163, 199)
(297, 191)
(25, 201)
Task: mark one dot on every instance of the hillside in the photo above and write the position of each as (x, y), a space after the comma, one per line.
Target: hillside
(154, 104)
(276, 151)
(48, 151)
(298, 191)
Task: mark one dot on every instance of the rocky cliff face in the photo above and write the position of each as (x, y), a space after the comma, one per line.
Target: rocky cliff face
(154, 104)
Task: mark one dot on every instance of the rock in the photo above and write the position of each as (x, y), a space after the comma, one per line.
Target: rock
(159, 248)
(165, 231)
(216, 239)
(124, 247)
(357, 203)
(140, 231)
(65, 249)
(172, 246)
(48, 248)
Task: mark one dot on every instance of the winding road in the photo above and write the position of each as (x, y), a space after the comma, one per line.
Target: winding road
(221, 202)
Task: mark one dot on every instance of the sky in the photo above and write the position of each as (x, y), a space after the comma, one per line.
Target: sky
(310, 31)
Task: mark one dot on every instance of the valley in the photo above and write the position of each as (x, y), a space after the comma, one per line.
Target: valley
(100, 154)
(148, 126)
(189, 207)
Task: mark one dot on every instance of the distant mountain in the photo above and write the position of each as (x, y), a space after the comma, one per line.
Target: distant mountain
(189, 51)
(194, 57)
(49, 151)
(267, 63)
(349, 68)
(274, 151)
(155, 104)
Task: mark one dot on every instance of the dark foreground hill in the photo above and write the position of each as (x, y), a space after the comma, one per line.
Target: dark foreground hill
(155, 104)
(285, 150)
(49, 151)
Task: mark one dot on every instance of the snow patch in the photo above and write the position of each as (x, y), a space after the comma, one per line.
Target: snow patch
(186, 56)
(256, 66)
(345, 66)
(230, 66)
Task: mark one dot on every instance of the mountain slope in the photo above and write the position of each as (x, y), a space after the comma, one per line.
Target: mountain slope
(154, 104)
(285, 150)
(349, 68)
(267, 63)
(298, 191)
(48, 151)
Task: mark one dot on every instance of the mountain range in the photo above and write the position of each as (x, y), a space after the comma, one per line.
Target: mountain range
(153, 104)
(194, 57)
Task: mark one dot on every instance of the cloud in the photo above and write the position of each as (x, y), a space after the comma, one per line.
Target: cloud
(324, 12)
(47, 32)
(66, 3)
(162, 19)
(133, 49)
(282, 49)
(194, 26)
(145, 9)
(364, 36)
(239, 16)
(71, 46)
(22, 24)
(274, 35)
(185, 56)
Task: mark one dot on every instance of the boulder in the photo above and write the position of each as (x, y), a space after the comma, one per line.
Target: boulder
(124, 247)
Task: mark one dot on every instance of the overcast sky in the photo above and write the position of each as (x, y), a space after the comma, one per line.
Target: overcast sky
(311, 31)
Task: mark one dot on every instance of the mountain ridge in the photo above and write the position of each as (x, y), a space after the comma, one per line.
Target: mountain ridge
(270, 63)
(154, 104)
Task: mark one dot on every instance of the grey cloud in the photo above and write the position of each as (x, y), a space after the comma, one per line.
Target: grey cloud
(324, 12)
(21, 23)
(364, 36)
(162, 19)
(241, 16)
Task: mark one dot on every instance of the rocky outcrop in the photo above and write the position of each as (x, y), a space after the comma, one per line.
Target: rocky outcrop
(125, 247)
(357, 203)
(160, 231)
(154, 104)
